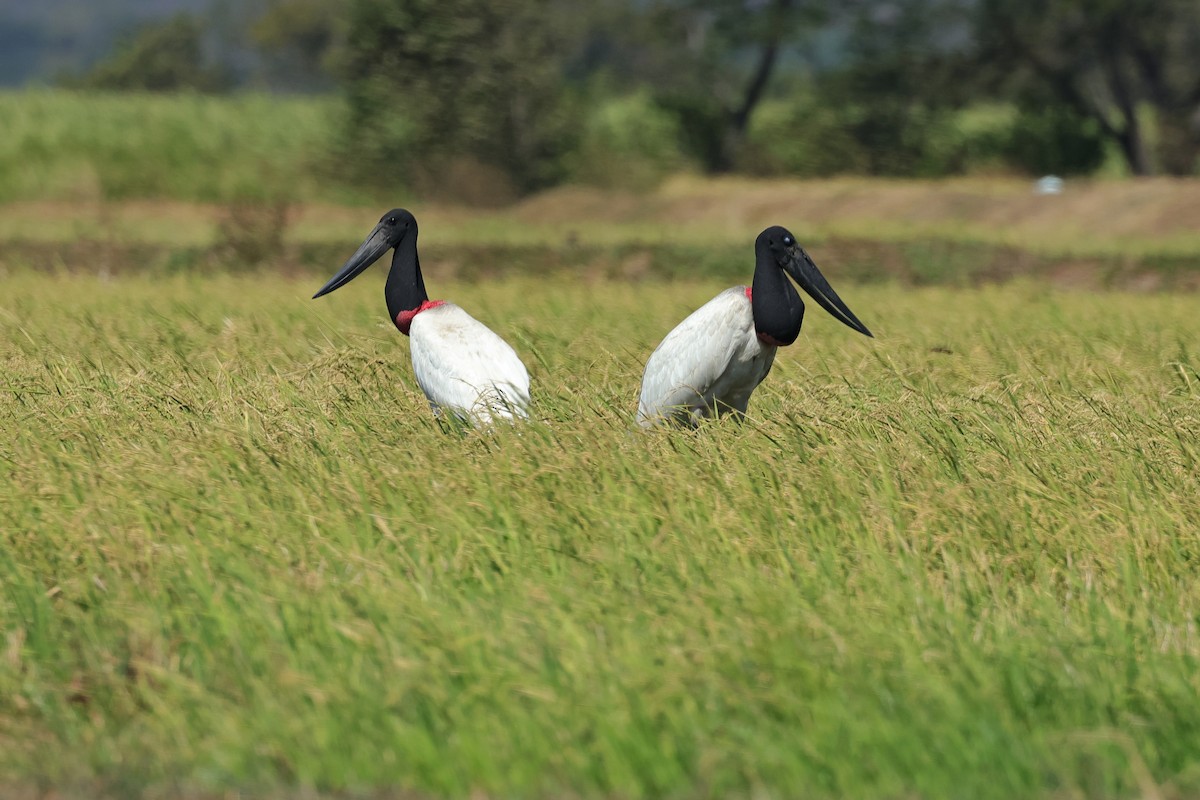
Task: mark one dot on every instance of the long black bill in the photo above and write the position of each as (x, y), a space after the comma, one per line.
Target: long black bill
(367, 254)
(805, 272)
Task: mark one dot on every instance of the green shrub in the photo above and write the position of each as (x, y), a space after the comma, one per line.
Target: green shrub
(75, 145)
(628, 142)
(985, 130)
(800, 137)
(809, 135)
(702, 126)
(1055, 139)
(471, 80)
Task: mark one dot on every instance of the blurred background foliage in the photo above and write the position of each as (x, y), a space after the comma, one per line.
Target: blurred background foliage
(482, 101)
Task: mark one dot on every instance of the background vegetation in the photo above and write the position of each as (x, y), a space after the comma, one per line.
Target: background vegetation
(99, 146)
(486, 101)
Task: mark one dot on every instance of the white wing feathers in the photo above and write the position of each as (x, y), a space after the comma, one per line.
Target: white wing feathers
(464, 367)
(713, 359)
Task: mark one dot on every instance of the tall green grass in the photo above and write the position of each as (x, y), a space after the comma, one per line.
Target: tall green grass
(959, 560)
(65, 145)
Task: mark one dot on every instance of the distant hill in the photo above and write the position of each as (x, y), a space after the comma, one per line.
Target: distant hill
(43, 39)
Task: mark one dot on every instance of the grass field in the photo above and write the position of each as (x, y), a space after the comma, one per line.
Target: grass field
(239, 557)
(84, 147)
(959, 560)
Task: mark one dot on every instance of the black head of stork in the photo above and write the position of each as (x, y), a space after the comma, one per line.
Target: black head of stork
(778, 309)
(405, 289)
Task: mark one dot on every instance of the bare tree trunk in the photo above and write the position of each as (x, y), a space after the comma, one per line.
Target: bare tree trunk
(1133, 148)
(1067, 82)
(1129, 132)
(1178, 112)
(739, 119)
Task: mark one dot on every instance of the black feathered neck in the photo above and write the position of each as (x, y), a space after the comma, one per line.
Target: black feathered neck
(777, 307)
(405, 289)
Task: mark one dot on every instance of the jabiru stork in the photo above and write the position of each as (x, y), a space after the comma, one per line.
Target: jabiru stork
(459, 363)
(713, 360)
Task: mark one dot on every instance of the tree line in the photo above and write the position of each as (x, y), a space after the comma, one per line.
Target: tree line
(528, 93)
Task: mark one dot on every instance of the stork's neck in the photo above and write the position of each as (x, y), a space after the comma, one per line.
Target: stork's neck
(405, 289)
(776, 305)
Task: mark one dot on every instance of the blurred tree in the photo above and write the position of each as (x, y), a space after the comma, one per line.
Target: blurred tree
(713, 60)
(1055, 139)
(1107, 61)
(900, 78)
(465, 87)
(303, 36)
(161, 57)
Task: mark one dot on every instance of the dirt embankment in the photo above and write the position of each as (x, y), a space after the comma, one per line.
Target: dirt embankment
(1097, 211)
(1141, 235)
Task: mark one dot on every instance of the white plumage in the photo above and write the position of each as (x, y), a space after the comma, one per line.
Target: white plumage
(459, 363)
(712, 361)
(465, 368)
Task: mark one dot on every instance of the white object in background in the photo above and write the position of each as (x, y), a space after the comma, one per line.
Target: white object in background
(1048, 184)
